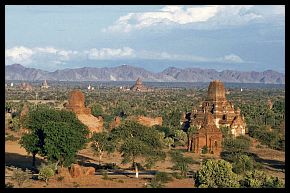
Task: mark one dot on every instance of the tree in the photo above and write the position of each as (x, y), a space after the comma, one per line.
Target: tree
(180, 137)
(135, 141)
(15, 124)
(258, 179)
(238, 144)
(216, 174)
(181, 163)
(56, 135)
(101, 143)
(97, 110)
(242, 164)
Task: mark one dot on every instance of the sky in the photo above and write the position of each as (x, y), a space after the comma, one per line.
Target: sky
(154, 37)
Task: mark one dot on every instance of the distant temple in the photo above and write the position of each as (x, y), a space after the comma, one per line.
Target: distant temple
(215, 112)
(26, 86)
(45, 85)
(138, 86)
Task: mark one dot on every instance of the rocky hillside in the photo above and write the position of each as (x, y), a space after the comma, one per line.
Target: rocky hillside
(130, 73)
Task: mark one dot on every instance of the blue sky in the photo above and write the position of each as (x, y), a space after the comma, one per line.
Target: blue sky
(243, 38)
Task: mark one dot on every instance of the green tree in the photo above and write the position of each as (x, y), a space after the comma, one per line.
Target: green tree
(216, 174)
(101, 143)
(180, 137)
(15, 124)
(238, 144)
(97, 110)
(56, 135)
(259, 179)
(181, 163)
(243, 163)
(134, 141)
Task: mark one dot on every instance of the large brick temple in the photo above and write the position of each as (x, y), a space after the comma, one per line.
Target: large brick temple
(214, 112)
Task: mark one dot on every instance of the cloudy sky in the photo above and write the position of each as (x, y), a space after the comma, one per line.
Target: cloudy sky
(237, 37)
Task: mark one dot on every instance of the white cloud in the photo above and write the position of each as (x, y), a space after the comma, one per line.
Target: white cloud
(166, 15)
(51, 58)
(109, 53)
(48, 55)
(19, 54)
(232, 58)
(203, 17)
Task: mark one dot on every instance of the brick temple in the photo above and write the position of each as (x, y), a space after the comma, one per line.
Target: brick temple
(214, 112)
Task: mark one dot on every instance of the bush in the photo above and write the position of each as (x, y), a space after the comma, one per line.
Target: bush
(9, 185)
(258, 179)
(105, 175)
(45, 173)
(177, 175)
(11, 138)
(204, 150)
(163, 177)
(20, 176)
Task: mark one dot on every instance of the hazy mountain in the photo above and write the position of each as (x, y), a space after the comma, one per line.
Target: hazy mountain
(130, 73)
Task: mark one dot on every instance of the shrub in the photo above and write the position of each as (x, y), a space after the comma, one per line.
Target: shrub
(11, 138)
(258, 179)
(105, 175)
(20, 176)
(163, 177)
(204, 150)
(45, 173)
(9, 185)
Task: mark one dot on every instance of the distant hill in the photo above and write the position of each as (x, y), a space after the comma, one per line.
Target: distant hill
(130, 73)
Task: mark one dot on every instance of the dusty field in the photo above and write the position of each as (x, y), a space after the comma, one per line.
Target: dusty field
(17, 156)
(274, 162)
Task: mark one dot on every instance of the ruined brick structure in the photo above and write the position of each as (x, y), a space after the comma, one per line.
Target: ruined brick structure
(146, 121)
(215, 112)
(77, 105)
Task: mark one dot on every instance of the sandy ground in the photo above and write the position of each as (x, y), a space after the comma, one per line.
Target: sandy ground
(273, 160)
(17, 156)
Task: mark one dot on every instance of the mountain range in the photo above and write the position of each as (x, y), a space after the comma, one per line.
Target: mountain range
(130, 73)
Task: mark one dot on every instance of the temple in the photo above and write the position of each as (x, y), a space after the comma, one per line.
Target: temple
(138, 86)
(45, 85)
(215, 112)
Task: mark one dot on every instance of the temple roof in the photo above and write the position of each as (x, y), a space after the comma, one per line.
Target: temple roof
(216, 91)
